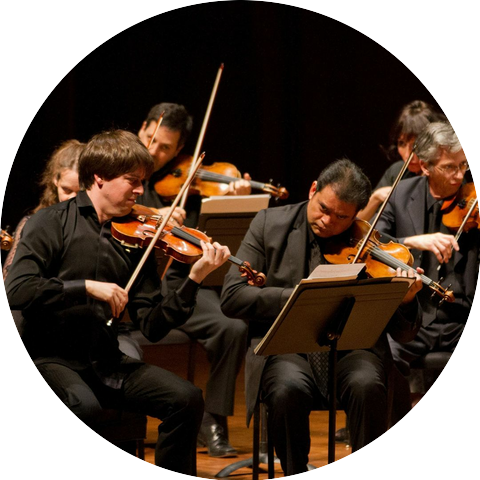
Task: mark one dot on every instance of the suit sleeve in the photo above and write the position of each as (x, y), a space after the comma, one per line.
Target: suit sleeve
(240, 300)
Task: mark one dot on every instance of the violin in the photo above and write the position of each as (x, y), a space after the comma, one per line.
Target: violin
(381, 259)
(209, 181)
(6, 240)
(462, 209)
(181, 243)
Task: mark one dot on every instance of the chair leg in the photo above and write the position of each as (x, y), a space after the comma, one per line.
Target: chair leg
(256, 443)
(191, 362)
(141, 459)
(270, 450)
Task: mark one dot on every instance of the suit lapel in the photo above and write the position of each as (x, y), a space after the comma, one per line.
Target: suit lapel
(296, 248)
(415, 205)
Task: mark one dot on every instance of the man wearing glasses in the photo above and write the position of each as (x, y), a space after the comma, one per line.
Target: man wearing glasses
(413, 216)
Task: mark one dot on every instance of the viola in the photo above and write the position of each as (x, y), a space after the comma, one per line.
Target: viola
(381, 259)
(181, 243)
(462, 209)
(6, 240)
(209, 181)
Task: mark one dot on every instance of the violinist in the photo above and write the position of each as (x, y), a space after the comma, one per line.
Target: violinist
(413, 216)
(411, 120)
(287, 243)
(223, 338)
(68, 278)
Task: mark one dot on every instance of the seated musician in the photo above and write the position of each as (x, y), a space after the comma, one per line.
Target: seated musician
(68, 278)
(412, 119)
(413, 216)
(223, 338)
(287, 243)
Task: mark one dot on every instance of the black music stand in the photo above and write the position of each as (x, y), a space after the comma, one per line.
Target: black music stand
(332, 315)
(226, 219)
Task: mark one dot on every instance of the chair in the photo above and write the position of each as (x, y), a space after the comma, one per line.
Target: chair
(437, 362)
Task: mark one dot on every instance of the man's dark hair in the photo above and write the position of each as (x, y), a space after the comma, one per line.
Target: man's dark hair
(112, 154)
(348, 182)
(176, 118)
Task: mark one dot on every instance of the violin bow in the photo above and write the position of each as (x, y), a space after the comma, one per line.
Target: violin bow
(159, 122)
(160, 229)
(5, 97)
(384, 204)
(204, 125)
(462, 226)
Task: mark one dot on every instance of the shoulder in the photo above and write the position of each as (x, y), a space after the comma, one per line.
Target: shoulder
(283, 214)
(410, 185)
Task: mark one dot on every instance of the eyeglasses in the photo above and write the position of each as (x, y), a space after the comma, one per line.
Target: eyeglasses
(451, 170)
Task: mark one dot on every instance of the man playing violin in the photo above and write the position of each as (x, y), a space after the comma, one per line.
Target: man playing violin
(68, 279)
(413, 216)
(223, 338)
(287, 243)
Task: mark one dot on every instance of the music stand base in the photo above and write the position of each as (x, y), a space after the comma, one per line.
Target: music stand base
(248, 463)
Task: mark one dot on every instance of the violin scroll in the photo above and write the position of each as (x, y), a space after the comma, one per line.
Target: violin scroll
(446, 294)
(280, 193)
(6, 240)
(254, 278)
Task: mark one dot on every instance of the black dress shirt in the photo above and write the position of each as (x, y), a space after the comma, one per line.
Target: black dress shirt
(63, 246)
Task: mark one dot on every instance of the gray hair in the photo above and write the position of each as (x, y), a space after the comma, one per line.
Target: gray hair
(436, 136)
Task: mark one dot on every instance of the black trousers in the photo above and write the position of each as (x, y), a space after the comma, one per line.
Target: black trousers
(290, 392)
(147, 389)
(435, 337)
(225, 341)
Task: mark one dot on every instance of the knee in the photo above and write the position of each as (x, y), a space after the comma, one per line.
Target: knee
(189, 400)
(82, 402)
(234, 330)
(287, 395)
(364, 386)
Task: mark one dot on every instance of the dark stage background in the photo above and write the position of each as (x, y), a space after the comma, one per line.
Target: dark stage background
(298, 91)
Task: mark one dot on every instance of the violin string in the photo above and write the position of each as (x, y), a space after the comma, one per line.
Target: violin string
(178, 232)
(220, 178)
(389, 260)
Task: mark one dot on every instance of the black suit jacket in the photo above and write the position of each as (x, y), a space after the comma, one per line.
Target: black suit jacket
(404, 216)
(276, 244)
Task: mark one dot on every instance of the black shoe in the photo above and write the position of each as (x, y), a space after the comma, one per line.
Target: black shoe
(342, 436)
(408, 470)
(214, 438)
(476, 468)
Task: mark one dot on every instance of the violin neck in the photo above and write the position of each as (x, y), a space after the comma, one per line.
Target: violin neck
(207, 176)
(178, 232)
(391, 261)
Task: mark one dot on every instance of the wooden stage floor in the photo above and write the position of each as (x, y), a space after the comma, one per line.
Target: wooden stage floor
(174, 358)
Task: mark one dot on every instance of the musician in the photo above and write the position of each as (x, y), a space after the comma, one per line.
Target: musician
(68, 278)
(287, 243)
(223, 338)
(411, 120)
(413, 217)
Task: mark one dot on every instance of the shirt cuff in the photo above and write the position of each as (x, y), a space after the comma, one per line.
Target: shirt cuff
(188, 291)
(75, 291)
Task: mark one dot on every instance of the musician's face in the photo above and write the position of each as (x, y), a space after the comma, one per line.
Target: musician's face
(327, 215)
(445, 176)
(165, 145)
(67, 184)
(118, 196)
(404, 147)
